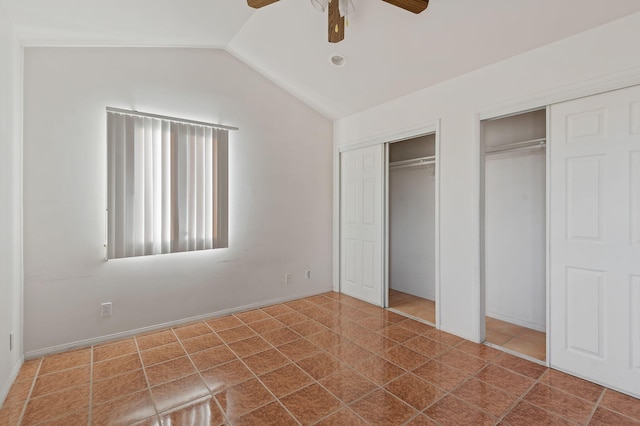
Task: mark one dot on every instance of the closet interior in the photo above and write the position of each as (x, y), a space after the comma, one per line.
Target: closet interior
(514, 199)
(411, 248)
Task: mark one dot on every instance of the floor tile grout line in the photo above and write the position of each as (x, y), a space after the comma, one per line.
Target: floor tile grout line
(519, 399)
(255, 376)
(397, 344)
(482, 410)
(316, 381)
(33, 385)
(197, 372)
(63, 369)
(469, 377)
(614, 410)
(410, 370)
(377, 332)
(452, 394)
(213, 396)
(146, 378)
(595, 406)
(521, 330)
(554, 414)
(538, 381)
(565, 391)
(351, 367)
(91, 388)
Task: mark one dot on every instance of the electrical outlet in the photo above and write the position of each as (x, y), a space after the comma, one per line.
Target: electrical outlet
(105, 309)
(307, 274)
(10, 341)
(287, 278)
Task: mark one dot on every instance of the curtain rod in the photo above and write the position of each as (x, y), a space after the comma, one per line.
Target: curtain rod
(174, 119)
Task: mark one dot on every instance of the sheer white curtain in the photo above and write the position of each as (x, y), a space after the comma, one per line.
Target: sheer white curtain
(167, 186)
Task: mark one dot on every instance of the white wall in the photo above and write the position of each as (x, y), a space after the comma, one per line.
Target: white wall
(593, 54)
(515, 238)
(10, 205)
(280, 201)
(412, 231)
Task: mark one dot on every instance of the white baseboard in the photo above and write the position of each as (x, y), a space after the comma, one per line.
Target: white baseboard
(4, 390)
(518, 321)
(116, 336)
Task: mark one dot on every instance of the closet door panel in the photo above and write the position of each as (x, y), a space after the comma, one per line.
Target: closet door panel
(585, 126)
(361, 228)
(635, 198)
(634, 290)
(595, 255)
(585, 198)
(585, 325)
(635, 118)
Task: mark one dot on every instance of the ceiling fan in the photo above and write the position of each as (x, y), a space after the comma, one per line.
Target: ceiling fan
(337, 19)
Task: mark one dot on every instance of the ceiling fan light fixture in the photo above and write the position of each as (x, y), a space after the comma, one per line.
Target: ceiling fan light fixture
(339, 11)
(338, 60)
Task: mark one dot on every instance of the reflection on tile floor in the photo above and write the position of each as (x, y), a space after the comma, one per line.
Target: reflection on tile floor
(413, 305)
(516, 338)
(326, 360)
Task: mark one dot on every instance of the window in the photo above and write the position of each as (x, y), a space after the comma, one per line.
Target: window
(167, 185)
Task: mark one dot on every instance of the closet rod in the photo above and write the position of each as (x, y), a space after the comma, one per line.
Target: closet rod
(414, 162)
(532, 144)
(406, 166)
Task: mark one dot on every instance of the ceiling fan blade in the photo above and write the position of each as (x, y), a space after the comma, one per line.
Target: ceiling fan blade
(257, 4)
(336, 23)
(415, 6)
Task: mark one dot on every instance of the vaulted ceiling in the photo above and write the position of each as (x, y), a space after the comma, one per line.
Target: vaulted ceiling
(389, 52)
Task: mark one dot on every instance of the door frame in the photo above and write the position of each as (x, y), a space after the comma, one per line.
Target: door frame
(386, 276)
(481, 288)
(385, 139)
(515, 106)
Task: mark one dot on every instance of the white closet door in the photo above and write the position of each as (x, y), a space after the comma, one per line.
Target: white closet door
(361, 229)
(595, 238)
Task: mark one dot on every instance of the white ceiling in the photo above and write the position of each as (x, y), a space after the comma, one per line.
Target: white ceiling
(390, 52)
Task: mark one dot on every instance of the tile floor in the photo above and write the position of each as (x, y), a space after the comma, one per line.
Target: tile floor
(516, 338)
(413, 305)
(326, 360)
(510, 336)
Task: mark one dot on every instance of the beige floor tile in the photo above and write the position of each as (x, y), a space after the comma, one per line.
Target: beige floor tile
(525, 347)
(503, 326)
(533, 336)
(412, 305)
(516, 338)
(496, 337)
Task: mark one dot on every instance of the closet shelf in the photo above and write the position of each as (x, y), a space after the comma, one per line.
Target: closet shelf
(532, 144)
(414, 162)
